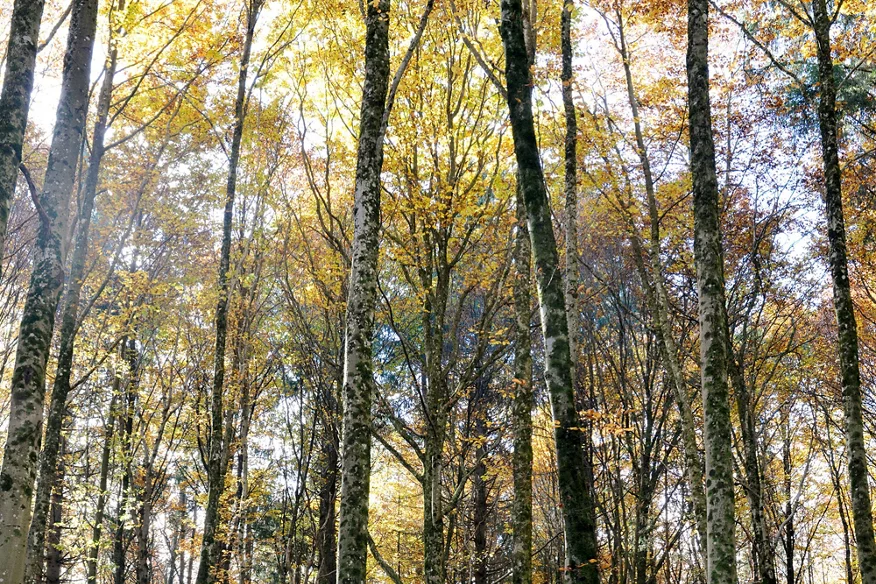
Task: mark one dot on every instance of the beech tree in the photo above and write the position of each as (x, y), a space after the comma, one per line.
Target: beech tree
(47, 279)
(578, 515)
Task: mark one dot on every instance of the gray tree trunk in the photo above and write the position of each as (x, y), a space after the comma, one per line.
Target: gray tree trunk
(102, 495)
(575, 497)
(69, 325)
(38, 319)
(358, 380)
(217, 458)
(521, 462)
(658, 304)
(570, 184)
(53, 552)
(764, 552)
(714, 341)
(326, 532)
(21, 53)
(862, 513)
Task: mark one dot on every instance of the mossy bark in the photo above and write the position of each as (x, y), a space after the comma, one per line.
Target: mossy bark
(573, 480)
(658, 304)
(69, 325)
(714, 341)
(521, 462)
(15, 98)
(47, 278)
(847, 327)
(358, 376)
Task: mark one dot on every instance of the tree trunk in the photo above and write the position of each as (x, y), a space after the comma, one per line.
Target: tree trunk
(97, 530)
(217, 461)
(789, 543)
(714, 341)
(128, 349)
(54, 555)
(521, 461)
(21, 53)
(326, 532)
(479, 514)
(658, 304)
(243, 536)
(358, 381)
(143, 566)
(570, 185)
(47, 279)
(577, 506)
(765, 560)
(862, 514)
(69, 325)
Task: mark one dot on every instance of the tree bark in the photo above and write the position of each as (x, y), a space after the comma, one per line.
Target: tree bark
(358, 380)
(217, 458)
(38, 318)
(764, 554)
(521, 462)
(128, 349)
(789, 541)
(15, 98)
(54, 555)
(326, 532)
(102, 495)
(481, 510)
(658, 304)
(570, 184)
(862, 514)
(69, 325)
(714, 341)
(577, 505)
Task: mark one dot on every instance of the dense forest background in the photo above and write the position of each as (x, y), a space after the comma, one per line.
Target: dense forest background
(260, 252)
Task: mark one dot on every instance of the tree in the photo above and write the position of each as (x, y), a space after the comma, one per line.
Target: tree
(358, 376)
(578, 514)
(862, 512)
(47, 279)
(217, 464)
(15, 98)
(714, 336)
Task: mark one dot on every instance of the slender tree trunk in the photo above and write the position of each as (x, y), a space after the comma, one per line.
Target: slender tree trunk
(570, 185)
(243, 536)
(128, 349)
(97, 530)
(143, 565)
(358, 381)
(763, 550)
(790, 577)
(216, 465)
(658, 304)
(326, 533)
(54, 554)
(714, 341)
(69, 325)
(191, 555)
(21, 53)
(862, 513)
(521, 461)
(577, 505)
(38, 318)
(433, 313)
(481, 510)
